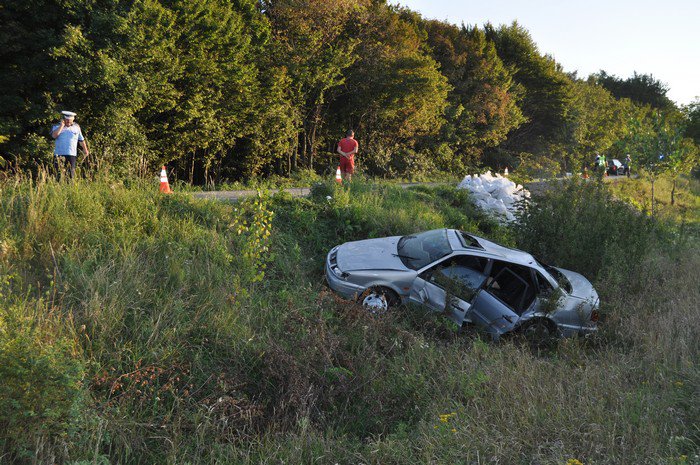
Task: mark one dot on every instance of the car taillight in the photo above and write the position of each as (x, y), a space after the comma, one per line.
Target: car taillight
(595, 316)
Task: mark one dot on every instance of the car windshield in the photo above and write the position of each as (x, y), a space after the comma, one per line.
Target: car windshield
(419, 250)
(557, 275)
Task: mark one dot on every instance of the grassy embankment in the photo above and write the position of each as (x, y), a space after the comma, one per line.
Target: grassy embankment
(138, 328)
(686, 207)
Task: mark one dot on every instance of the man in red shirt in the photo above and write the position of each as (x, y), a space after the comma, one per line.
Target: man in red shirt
(347, 148)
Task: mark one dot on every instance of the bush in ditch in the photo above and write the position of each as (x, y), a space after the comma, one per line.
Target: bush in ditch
(40, 392)
(580, 226)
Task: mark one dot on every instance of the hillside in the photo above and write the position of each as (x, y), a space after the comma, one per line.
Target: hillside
(139, 328)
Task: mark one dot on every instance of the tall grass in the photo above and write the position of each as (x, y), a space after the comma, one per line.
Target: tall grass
(685, 208)
(150, 318)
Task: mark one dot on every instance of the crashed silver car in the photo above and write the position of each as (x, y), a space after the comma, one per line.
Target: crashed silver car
(471, 280)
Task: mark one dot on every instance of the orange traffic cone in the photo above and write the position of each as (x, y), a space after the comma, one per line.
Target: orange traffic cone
(164, 186)
(585, 173)
(338, 178)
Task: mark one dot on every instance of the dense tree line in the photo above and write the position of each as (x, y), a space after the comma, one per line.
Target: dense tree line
(222, 89)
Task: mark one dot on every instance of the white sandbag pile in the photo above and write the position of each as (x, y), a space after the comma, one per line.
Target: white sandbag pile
(496, 195)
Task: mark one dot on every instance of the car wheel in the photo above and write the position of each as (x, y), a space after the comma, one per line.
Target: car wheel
(378, 300)
(540, 333)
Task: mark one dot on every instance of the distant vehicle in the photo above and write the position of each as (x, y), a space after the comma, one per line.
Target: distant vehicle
(615, 168)
(469, 279)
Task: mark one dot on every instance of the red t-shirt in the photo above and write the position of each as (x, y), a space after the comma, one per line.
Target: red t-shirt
(347, 145)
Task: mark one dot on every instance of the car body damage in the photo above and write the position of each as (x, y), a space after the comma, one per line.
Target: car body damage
(469, 279)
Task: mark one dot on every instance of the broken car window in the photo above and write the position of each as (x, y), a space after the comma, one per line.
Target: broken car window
(512, 284)
(461, 275)
(543, 285)
(557, 275)
(468, 240)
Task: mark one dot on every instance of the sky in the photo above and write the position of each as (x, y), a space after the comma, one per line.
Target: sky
(661, 38)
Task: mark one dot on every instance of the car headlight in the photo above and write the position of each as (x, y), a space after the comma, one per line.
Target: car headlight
(336, 271)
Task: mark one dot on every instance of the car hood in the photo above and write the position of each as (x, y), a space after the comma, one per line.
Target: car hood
(370, 254)
(580, 286)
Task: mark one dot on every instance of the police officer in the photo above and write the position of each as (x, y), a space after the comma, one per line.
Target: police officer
(67, 135)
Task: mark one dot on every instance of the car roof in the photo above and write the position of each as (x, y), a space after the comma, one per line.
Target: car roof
(496, 251)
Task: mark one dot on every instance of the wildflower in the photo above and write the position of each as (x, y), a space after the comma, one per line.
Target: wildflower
(574, 462)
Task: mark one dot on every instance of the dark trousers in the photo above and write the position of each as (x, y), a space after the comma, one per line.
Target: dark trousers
(67, 160)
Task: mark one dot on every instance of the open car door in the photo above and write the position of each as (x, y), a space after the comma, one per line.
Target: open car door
(496, 307)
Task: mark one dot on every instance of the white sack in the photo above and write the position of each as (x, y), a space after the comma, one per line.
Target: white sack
(495, 194)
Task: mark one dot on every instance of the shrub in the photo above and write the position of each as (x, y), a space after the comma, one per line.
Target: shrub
(579, 225)
(41, 394)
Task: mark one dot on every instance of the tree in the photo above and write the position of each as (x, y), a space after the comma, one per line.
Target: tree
(394, 94)
(546, 90)
(692, 127)
(153, 81)
(659, 146)
(482, 106)
(30, 29)
(597, 120)
(640, 88)
(314, 42)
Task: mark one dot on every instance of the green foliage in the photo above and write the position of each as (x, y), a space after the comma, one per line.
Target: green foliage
(316, 45)
(660, 146)
(546, 90)
(395, 93)
(590, 225)
(41, 394)
(692, 128)
(237, 91)
(640, 88)
(154, 81)
(598, 121)
(482, 108)
(255, 229)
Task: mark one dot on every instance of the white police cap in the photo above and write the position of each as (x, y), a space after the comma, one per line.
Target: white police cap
(68, 114)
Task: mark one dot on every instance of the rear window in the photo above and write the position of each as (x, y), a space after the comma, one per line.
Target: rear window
(557, 275)
(468, 240)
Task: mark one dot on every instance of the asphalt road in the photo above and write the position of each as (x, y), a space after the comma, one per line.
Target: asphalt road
(294, 191)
